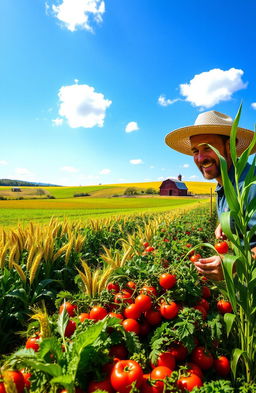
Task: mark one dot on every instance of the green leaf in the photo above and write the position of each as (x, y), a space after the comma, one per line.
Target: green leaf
(233, 136)
(63, 321)
(229, 319)
(64, 380)
(54, 370)
(20, 294)
(235, 357)
(228, 264)
(225, 220)
(244, 157)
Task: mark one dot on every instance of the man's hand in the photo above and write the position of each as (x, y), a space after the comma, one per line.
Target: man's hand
(219, 234)
(210, 267)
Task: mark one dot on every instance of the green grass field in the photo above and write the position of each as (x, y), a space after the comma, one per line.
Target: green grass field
(15, 212)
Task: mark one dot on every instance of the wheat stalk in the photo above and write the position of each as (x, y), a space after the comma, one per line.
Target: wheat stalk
(35, 264)
(19, 271)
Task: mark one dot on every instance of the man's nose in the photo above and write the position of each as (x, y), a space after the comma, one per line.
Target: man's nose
(201, 156)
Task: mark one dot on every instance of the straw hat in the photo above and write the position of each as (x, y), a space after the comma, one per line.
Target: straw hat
(211, 122)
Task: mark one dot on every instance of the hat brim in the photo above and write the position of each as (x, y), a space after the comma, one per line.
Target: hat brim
(180, 139)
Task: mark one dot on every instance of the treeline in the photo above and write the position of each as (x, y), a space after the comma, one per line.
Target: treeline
(22, 183)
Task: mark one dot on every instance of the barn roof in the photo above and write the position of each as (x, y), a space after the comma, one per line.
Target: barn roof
(179, 184)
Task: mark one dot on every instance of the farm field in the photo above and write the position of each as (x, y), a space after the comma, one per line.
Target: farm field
(14, 212)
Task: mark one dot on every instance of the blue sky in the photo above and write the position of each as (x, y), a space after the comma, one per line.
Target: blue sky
(90, 88)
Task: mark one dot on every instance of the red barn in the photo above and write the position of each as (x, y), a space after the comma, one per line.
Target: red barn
(173, 187)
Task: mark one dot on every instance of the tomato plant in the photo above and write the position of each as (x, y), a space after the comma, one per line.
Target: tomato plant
(70, 328)
(195, 257)
(167, 280)
(83, 316)
(100, 385)
(132, 311)
(178, 351)
(165, 359)
(148, 290)
(124, 373)
(113, 287)
(160, 373)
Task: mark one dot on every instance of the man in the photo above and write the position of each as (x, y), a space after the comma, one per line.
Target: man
(213, 128)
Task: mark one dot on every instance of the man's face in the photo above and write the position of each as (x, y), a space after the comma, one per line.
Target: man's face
(205, 158)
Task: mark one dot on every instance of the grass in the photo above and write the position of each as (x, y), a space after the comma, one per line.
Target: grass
(14, 212)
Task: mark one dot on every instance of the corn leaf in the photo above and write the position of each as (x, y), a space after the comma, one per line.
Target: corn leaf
(235, 357)
(233, 136)
(225, 220)
(229, 319)
(228, 264)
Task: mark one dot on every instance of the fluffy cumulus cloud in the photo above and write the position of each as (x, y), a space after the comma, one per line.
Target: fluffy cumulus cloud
(166, 101)
(74, 14)
(254, 105)
(105, 171)
(136, 161)
(132, 126)
(209, 88)
(186, 166)
(69, 169)
(82, 106)
(193, 177)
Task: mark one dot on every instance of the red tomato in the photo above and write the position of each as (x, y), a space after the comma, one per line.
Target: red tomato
(145, 244)
(98, 313)
(83, 316)
(221, 247)
(131, 325)
(123, 297)
(195, 369)
(131, 285)
(144, 302)
(190, 382)
(161, 373)
(179, 351)
(154, 317)
(70, 308)
(113, 287)
(33, 343)
(195, 258)
(222, 366)
(144, 328)
(224, 306)
(202, 357)
(100, 385)
(202, 310)
(70, 328)
(115, 315)
(118, 351)
(166, 359)
(132, 311)
(2, 388)
(147, 290)
(17, 378)
(149, 249)
(167, 280)
(206, 292)
(203, 302)
(124, 373)
(169, 311)
(148, 386)
(26, 376)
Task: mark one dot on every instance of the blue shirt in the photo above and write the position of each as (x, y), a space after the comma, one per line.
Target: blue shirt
(222, 205)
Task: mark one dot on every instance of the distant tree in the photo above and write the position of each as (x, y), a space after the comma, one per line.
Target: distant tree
(40, 191)
(131, 191)
(150, 191)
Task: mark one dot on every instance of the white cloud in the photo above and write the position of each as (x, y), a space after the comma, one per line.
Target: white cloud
(69, 169)
(193, 177)
(254, 105)
(209, 88)
(186, 166)
(165, 102)
(3, 162)
(57, 122)
(161, 178)
(76, 14)
(105, 171)
(136, 161)
(132, 126)
(82, 106)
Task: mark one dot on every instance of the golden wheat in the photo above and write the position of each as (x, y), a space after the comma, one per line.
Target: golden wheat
(35, 265)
